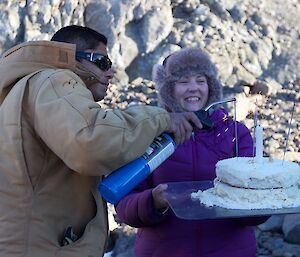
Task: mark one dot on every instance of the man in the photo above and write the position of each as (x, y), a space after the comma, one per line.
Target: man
(57, 144)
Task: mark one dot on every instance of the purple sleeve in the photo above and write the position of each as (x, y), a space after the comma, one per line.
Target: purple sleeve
(137, 210)
(245, 141)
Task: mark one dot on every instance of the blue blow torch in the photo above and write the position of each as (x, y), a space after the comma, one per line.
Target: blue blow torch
(123, 180)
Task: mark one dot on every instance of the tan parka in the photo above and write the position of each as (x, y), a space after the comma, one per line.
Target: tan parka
(55, 145)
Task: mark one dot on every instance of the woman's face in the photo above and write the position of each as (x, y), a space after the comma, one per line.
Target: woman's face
(191, 92)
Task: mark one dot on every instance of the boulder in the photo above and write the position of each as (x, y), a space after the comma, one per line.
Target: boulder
(291, 228)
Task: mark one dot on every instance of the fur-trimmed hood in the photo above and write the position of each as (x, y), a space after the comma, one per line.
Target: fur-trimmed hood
(29, 57)
(188, 61)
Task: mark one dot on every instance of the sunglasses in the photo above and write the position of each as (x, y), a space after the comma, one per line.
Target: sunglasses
(102, 61)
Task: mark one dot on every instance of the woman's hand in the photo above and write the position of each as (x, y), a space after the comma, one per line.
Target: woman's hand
(160, 202)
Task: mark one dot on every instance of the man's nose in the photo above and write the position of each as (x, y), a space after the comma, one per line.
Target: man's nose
(110, 73)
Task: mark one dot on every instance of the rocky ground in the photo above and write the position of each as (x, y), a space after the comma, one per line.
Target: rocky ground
(254, 43)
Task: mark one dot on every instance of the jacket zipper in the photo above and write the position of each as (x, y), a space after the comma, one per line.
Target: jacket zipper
(194, 155)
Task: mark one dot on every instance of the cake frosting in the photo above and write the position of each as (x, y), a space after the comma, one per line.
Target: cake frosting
(245, 183)
(248, 173)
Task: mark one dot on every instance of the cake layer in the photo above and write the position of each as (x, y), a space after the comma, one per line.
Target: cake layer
(248, 173)
(229, 197)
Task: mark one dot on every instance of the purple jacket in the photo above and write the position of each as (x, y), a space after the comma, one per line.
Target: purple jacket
(166, 235)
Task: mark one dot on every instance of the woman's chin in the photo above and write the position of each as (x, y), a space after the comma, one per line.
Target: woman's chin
(192, 108)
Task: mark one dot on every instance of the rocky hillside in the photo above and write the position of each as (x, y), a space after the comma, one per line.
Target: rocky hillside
(254, 43)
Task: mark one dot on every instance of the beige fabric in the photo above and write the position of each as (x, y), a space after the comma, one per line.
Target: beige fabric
(56, 144)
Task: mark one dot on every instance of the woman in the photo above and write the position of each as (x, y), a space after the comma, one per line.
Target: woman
(187, 81)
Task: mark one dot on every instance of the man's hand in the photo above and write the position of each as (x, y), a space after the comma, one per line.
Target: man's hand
(182, 125)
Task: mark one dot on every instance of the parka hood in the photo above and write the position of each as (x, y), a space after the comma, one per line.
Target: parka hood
(188, 61)
(29, 57)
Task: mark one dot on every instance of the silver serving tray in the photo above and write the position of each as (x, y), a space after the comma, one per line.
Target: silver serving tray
(178, 195)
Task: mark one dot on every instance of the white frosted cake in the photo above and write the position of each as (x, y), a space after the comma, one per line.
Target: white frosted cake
(246, 183)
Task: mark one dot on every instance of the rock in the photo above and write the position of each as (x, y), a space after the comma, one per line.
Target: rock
(142, 65)
(264, 50)
(244, 77)
(124, 241)
(223, 64)
(265, 87)
(291, 228)
(274, 223)
(244, 105)
(120, 78)
(155, 27)
(238, 14)
(292, 156)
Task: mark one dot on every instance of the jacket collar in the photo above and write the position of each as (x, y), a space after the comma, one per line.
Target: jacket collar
(29, 57)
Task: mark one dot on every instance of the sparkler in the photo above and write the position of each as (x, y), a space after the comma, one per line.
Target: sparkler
(255, 124)
(289, 130)
(235, 132)
(235, 122)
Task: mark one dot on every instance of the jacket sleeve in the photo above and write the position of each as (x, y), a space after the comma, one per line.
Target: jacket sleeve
(137, 209)
(89, 139)
(245, 141)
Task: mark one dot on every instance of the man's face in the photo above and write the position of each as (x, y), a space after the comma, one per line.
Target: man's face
(98, 87)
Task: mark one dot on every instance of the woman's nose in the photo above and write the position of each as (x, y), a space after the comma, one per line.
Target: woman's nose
(193, 85)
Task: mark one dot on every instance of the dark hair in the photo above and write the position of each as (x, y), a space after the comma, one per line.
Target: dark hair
(83, 37)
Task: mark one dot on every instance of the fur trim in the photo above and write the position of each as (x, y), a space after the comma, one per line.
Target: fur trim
(185, 62)
(158, 74)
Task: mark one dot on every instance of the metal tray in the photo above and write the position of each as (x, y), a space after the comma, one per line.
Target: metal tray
(178, 195)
